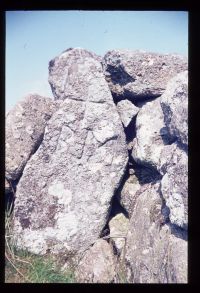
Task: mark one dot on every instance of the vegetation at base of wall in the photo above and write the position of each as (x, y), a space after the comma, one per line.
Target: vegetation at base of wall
(24, 267)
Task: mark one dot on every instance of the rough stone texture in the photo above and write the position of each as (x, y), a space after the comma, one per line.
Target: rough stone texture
(166, 157)
(151, 135)
(64, 195)
(151, 247)
(118, 226)
(65, 78)
(173, 158)
(174, 187)
(128, 193)
(137, 74)
(25, 125)
(127, 111)
(178, 257)
(97, 265)
(138, 176)
(174, 103)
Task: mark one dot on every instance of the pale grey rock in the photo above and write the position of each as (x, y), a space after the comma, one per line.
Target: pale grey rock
(166, 157)
(140, 75)
(174, 187)
(151, 135)
(118, 226)
(150, 254)
(177, 267)
(128, 193)
(173, 158)
(97, 265)
(138, 176)
(64, 195)
(127, 111)
(174, 103)
(25, 125)
(70, 70)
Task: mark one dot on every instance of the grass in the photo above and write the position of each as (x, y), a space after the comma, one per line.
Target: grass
(24, 267)
(29, 268)
(121, 268)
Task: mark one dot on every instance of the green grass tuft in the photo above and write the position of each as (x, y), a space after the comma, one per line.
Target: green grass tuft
(24, 267)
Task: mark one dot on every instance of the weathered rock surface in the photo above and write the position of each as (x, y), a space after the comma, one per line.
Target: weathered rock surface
(65, 78)
(151, 135)
(118, 226)
(72, 177)
(150, 246)
(127, 111)
(174, 187)
(97, 265)
(128, 193)
(174, 103)
(78, 174)
(25, 125)
(173, 158)
(138, 176)
(137, 74)
(178, 255)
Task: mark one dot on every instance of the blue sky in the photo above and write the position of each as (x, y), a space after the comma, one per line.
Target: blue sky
(33, 38)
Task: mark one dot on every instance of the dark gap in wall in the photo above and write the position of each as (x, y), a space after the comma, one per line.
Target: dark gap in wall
(164, 208)
(118, 75)
(130, 130)
(115, 206)
(141, 101)
(182, 146)
(10, 196)
(37, 145)
(178, 231)
(145, 174)
(138, 101)
(9, 202)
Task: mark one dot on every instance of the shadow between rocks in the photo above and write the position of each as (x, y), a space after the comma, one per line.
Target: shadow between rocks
(130, 130)
(115, 207)
(119, 75)
(144, 173)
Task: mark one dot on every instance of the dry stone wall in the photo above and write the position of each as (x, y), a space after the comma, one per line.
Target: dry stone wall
(100, 173)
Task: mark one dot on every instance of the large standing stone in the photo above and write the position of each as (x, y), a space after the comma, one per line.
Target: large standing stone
(65, 192)
(174, 103)
(138, 74)
(151, 135)
(151, 247)
(25, 125)
(97, 265)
